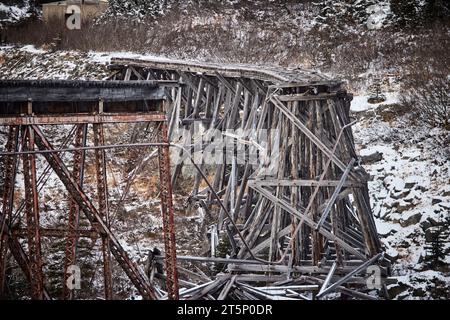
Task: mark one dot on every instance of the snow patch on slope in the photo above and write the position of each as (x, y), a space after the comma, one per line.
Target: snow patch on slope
(13, 13)
(359, 102)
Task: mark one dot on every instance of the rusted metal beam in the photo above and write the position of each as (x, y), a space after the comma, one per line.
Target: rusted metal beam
(119, 84)
(113, 146)
(9, 240)
(32, 216)
(22, 259)
(57, 233)
(74, 210)
(135, 274)
(167, 214)
(7, 206)
(103, 207)
(81, 118)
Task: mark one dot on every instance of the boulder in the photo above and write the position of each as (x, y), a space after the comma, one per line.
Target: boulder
(400, 195)
(402, 206)
(398, 184)
(446, 192)
(411, 181)
(422, 188)
(372, 158)
(410, 185)
(425, 224)
(445, 205)
(411, 220)
(395, 290)
(391, 255)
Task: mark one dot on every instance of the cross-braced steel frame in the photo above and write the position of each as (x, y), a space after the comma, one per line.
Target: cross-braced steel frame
(27, 140)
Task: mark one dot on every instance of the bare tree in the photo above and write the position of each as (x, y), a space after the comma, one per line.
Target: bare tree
(431, 100)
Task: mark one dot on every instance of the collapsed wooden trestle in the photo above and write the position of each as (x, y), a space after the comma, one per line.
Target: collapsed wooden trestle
(307, 228)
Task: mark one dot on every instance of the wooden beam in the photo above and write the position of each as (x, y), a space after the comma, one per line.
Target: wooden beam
(302, 183)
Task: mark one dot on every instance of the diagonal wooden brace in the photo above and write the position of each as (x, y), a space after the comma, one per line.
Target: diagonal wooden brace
(335, 195)
(287, 207)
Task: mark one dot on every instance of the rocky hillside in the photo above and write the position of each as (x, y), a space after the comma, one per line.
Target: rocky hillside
(393, 54)
(354, 40)
(410, 171)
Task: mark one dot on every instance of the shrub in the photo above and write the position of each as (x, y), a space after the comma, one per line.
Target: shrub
(426, 83)
(431, 101)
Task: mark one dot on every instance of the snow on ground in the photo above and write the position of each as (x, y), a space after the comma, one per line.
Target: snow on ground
(359, 102)
(13, 13)
(30, 49)
(29, 62)
(410, 196)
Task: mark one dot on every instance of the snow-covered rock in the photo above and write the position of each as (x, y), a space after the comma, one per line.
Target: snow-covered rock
(409, 197)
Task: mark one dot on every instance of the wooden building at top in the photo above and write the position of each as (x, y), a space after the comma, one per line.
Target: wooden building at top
(89, 8)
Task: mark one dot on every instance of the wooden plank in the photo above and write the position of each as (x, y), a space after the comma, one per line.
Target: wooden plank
(224, 293)
(349, 275)
(302, 183)
(307, 97)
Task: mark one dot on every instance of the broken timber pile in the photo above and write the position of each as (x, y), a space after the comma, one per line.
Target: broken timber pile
(305, 229)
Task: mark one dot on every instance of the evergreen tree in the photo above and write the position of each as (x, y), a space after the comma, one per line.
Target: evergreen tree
(435, 246)
(222, 251)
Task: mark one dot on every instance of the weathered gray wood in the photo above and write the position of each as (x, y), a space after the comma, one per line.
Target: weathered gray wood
(309, 221)
(318, 142)
(223, 294)
(306, 97)
(350, 274)
(279, 214)
(301, 183)
(333, 198)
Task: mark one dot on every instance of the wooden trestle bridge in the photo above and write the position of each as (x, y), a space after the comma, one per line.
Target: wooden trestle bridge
(300, 232)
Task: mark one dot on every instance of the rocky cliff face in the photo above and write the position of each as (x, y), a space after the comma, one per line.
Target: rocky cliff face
(410, 195)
